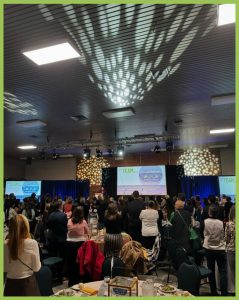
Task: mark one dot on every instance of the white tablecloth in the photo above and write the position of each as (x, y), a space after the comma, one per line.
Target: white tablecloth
(96, 285)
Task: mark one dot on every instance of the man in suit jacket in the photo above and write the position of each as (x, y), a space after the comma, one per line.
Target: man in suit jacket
(57, 225)
(134, 209)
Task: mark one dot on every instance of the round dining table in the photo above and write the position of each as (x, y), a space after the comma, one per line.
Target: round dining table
(75, 290)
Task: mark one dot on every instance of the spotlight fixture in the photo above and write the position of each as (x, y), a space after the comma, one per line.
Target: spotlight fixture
(157, 149)
(86, 153)
(120, 150)
(55, 156)
(169, 146)
(110, 152)
(98, 153)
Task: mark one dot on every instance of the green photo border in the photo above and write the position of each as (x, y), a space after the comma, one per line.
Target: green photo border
(2, 2)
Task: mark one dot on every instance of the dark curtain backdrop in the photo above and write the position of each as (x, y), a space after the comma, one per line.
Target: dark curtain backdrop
(200, 185)
(109, 181)
(173, 179)
(66, 188)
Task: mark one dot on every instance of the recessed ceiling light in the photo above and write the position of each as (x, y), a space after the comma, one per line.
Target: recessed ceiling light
(52, 54)
(119, 113)
(225, 130)
(27, 147)
(226, 14)
(31, 123)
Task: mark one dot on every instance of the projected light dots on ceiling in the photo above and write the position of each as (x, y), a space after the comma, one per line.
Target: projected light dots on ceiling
(16, 105)
(91, 169)
(133, 48)
(198, 162)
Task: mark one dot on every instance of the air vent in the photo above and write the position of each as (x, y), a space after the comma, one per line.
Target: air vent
(178, 122)
(31, 123)
(79, 118)
(119, 113)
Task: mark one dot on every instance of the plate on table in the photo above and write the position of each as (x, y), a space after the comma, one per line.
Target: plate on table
(75, 287)
(167, 288)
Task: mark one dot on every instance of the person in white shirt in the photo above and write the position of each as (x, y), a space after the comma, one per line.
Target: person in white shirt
(149, 218)
(21, 259)
(214, 244)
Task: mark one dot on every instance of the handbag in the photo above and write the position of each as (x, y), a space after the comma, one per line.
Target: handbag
(193, 236)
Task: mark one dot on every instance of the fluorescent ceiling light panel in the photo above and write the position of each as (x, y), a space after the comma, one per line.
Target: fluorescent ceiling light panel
(31, 123)
(52, 54)
(27, 147)
(222, 100)
(226, 130)
(226, 14)
(218, 146)
(119, 113)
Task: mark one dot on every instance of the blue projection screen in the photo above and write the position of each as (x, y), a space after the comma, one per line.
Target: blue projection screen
(23, 189)
(227, 186)
(148, 180)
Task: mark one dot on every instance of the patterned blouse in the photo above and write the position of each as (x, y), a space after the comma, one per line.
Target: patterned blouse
(230, 232)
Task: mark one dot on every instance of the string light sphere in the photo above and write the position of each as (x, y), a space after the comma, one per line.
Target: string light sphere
(91, 169)
(199, 162)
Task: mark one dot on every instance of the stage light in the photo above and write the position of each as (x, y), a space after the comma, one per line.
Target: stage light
(169, 146)
(157, 149)
(55, 156)
(110, 152)
(86, 153)
(98, 153)
(120, 150)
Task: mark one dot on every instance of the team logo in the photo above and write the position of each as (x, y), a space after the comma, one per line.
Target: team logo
(150, 174)
(30, 187)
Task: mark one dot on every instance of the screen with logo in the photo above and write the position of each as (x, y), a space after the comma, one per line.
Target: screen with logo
(227, 185)
(23, 189)
(148, 180)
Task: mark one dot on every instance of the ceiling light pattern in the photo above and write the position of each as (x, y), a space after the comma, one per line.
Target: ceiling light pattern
(91, 169)
(126, 77)
(16, 105)
(199, 162)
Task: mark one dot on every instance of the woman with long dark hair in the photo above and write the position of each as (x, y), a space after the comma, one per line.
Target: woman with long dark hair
(78, 232)
(113, 224)
(21, 259)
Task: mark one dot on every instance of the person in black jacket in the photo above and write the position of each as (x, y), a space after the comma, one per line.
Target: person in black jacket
(57, 225)
(181, 222)
(134, 209)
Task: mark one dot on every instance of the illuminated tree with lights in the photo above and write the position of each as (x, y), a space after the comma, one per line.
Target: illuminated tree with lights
(91, 169)
(198, 162)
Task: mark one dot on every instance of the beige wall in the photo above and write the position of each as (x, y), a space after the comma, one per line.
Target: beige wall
(65, 168)
(228, 161)
(14, 168)
(61, 169)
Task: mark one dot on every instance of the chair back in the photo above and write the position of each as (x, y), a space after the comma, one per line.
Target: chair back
(181, 256)
(189, 278)
(113, 266)
(172, 246)
(44, 280)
